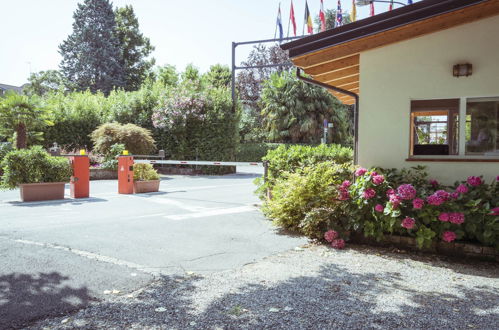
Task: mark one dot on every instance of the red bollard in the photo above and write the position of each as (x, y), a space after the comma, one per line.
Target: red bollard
(125, 175)
(80, 181)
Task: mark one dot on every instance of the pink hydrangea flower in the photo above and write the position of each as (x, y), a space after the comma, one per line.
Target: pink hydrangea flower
(330, 235)
(497, 178)
(338, 244)
(369, 193)
(395, 200)
(456, 218)
(360, 171)
(474, 181)
(346, 184)
(433, 182)
(494, 211)
(390, 192)
(374, 173)
(378, 179)
(379, 208)
(418, 203)
(443, 217)
(454, 195)
(408, 223)
(434, 200)
(444, 195)
(462, 189)
(344, 195)
(406, 191)
(448, 236)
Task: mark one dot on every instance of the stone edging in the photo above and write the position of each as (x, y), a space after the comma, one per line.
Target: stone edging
(455, 249)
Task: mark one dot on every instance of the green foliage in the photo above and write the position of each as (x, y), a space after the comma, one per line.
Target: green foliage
(75, 116)
(20, 116)
(5, 148)
(137, 140)
(91, 55)
(33, 165)
(144, 172)
(331, 19)
(135, 48)
(294, 195)
(43, 82)
(294, 111)
(167, 75)
(110, 162)
(254, 152)
(218, 76)
(293, 158)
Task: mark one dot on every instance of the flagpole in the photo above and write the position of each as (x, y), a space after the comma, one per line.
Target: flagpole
(289, 20)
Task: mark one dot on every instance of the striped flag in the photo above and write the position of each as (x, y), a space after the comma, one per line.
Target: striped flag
(339, 15)
(322, 17)
(353, 13)
(308, 19)
(292, 18)
(279, 23)
(391, 6)
(371, 11)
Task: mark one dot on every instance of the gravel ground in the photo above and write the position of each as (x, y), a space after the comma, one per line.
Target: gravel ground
(313, 287)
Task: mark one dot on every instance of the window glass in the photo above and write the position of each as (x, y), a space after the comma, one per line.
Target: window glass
(434, 127)
(482, 126)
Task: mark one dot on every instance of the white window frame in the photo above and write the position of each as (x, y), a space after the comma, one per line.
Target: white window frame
(462, 132)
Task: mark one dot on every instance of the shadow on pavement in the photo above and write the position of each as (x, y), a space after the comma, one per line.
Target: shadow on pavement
(334, 297)
(25, 298)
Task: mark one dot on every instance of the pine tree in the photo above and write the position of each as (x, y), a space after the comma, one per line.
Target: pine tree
(135, 48)
(91, 54)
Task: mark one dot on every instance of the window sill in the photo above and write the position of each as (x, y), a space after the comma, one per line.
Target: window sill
(454, 159)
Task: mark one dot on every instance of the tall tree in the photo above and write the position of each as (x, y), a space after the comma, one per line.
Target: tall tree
(218, 76)
(331, 19)
(40, 83)
(167, 75)
(91, 55)
(135, 48)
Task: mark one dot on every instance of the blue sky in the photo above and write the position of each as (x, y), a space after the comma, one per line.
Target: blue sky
(183, 31)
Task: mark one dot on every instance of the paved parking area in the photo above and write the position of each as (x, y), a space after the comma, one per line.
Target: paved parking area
(56, 256)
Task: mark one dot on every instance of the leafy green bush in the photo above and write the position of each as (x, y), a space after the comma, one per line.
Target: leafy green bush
(136, 139)
(254, 152)
(33, 165)
(144, 172)
(5, 148)
(110, 162)
(293, 158)
(296, 194)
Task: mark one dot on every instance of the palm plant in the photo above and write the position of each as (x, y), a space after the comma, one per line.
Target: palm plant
(20, 116)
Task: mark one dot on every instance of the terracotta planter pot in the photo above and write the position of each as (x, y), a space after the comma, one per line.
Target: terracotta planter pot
(145, 186)
(45, 191)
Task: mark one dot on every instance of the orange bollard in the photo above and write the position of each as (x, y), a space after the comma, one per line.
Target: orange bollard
(125, 175)
(80, 181)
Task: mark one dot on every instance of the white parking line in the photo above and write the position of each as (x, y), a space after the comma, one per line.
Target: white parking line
(90, 255)
(209, 213)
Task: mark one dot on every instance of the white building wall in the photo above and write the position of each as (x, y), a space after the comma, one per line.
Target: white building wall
(421, 68)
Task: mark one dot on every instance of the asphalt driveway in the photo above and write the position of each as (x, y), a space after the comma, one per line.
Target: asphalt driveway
(58, 256)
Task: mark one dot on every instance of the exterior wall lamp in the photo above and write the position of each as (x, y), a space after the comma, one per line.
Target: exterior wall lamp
(462, 70)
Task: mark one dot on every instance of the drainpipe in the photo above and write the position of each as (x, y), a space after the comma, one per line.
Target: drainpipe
(355, 109)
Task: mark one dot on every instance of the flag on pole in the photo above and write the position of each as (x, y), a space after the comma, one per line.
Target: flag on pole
(409, 2)
(308, 19)
(339, 15)
(292, 18)
(279, 23)
(322, 17)
(371, 11)
(391, 6)
(353, 13)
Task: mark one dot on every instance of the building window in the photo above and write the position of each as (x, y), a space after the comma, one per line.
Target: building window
(435, 127)
(482, 126)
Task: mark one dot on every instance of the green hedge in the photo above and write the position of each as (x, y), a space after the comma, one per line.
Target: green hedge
(254, 152)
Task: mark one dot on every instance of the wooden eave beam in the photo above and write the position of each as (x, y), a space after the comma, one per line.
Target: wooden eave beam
(342, 63)
(340, 74)
(341, 81)
(420, 28)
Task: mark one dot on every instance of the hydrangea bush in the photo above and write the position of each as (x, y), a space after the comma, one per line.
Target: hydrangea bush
(381, 202)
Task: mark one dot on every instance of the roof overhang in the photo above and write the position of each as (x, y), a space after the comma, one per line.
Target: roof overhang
(332, 57)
